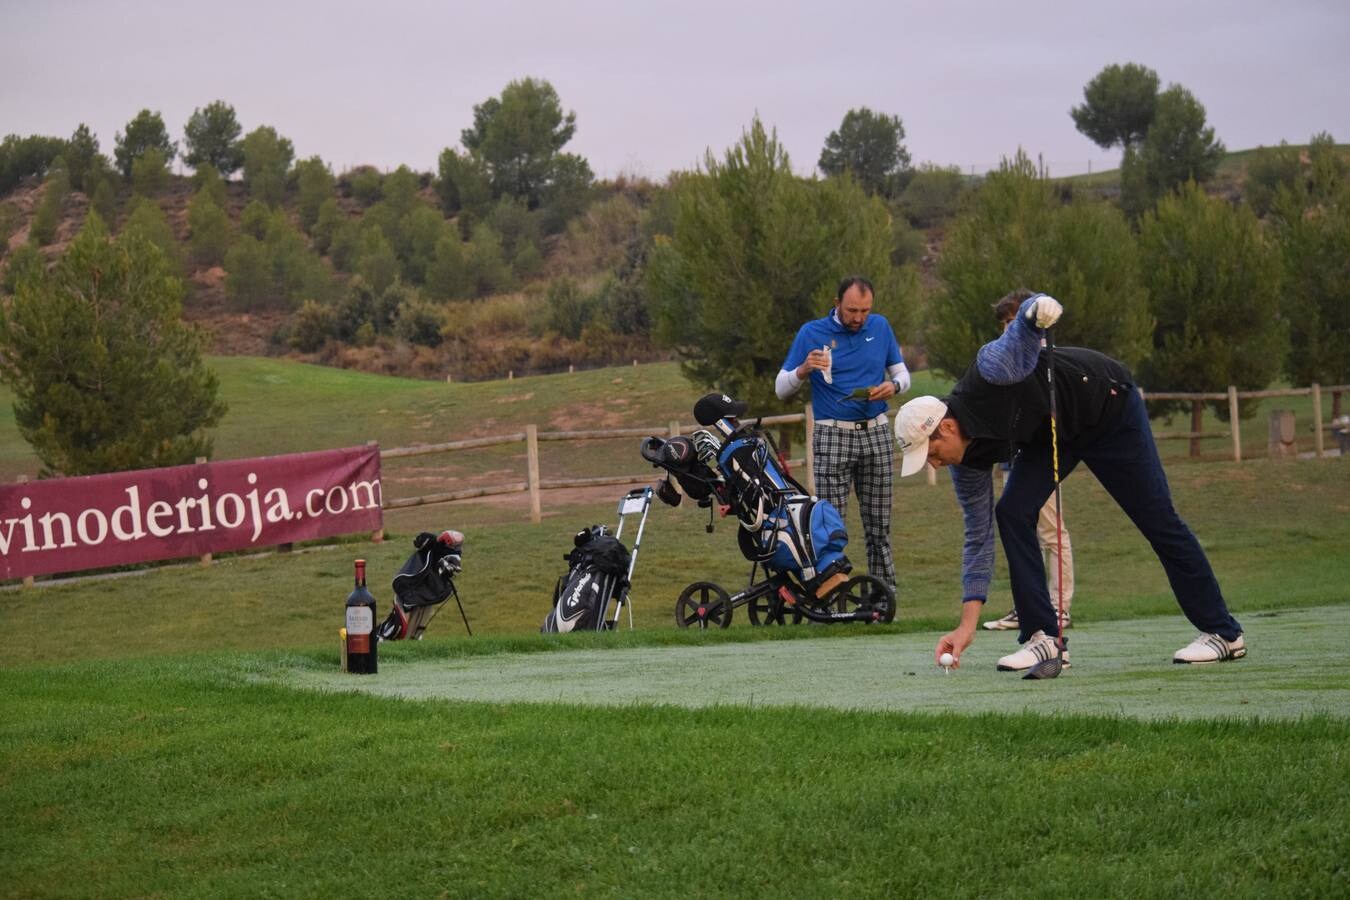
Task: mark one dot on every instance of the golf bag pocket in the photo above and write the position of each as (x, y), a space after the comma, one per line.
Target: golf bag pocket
(597, 573)
(803, 535)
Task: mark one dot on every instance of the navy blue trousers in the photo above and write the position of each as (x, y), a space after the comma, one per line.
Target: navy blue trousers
(1125, 461)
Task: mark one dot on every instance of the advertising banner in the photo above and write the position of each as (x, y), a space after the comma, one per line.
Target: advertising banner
(95, 521)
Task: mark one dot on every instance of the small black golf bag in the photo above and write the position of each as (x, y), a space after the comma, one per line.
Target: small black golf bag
(597, 573)
(423, 584)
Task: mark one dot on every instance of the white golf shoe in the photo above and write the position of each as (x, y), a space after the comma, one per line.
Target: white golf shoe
(1007, 623)
(1038, 648)
(1210, 648)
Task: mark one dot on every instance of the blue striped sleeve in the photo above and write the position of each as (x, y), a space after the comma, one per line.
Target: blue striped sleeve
(1012, 357)
(975, 491)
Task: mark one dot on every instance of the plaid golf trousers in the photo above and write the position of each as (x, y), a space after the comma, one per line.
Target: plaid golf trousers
(864, 459)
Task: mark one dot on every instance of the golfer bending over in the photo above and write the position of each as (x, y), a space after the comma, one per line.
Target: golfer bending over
(1001, 408)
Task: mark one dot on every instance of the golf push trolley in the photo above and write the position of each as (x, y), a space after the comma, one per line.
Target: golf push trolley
(796, 540)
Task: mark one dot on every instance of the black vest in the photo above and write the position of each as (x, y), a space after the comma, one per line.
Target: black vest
(1090, 393)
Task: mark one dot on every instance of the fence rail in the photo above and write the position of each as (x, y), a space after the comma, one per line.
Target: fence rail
(535, 486)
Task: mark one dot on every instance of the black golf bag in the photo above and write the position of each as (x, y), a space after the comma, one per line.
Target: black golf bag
(423, 584)
(597, 573)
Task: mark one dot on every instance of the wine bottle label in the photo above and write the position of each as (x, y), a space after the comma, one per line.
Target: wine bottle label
(360, 620)
(358, 643)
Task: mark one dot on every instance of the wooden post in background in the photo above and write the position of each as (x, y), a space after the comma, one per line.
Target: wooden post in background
(1233, 423)
(1281, 442)
(375, 536)
(930, 473)
(1197, 425)
(206, 557)
(27, 579)
(1318, 446)
(810, 472)
(532, 471)
(674, 428)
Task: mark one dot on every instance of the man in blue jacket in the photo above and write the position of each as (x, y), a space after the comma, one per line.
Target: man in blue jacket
(853, 363)
(1000, 409)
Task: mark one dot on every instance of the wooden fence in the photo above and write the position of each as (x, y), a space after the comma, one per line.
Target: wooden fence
(535, 486)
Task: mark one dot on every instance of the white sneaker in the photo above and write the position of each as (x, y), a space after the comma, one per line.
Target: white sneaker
(1210, 648)
(1038, 648)
(1007, 623)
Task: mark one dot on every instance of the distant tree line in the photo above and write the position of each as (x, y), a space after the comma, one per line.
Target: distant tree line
(719, 265)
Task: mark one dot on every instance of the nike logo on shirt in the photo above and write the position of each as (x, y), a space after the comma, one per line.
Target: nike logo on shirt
(873, 338)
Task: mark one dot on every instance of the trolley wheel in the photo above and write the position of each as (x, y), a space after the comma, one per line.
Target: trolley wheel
(702, 604)
(865, 592)
(766, 610)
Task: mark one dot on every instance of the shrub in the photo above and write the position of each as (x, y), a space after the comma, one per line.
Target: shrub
(255, 219)
(366, 185)
(206, 181)
(150, 173)
(447, 276)
(248, 279)
(145, 132)
(105, 374)
(267, 159)
(104, 201)
(148, 221)
(316, 184)
(311, 326)
(375, 261)
(26, 157)
(932, 196)
(419, 321)
(209, 229)
(211, 138)
(1213, 283)
(488, 271)
(42, 231)
(1015, 233)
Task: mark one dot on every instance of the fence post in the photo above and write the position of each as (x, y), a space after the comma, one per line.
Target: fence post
(674, 428)
(810, 472)
(532, 470)
(1281, 442)
(206, 557)
(1233, 422)
(376, 537)
(1317, 420)
(27, 579)
(1197, 425)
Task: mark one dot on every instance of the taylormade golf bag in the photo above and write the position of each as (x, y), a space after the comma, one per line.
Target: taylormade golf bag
(423, 584)
(597, 573)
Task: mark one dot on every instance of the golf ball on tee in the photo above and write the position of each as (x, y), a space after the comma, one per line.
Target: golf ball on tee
(946, 660)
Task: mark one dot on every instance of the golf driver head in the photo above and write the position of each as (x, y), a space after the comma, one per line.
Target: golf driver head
(1046, 668)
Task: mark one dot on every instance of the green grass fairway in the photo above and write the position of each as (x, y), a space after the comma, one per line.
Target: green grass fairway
(1298, 665)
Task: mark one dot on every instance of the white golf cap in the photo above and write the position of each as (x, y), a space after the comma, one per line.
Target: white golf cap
(915, 421)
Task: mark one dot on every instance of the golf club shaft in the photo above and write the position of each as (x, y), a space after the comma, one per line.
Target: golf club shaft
(1054, 465)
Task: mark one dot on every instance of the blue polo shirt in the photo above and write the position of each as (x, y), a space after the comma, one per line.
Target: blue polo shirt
(860, 360)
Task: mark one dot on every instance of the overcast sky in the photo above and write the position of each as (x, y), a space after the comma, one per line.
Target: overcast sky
(655, 85)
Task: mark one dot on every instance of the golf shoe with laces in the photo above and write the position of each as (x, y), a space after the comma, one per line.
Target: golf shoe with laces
(1210, 648)
(1038, 648)
(1007, 623)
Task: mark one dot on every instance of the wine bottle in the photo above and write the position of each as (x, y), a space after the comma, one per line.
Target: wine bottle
(361, 643)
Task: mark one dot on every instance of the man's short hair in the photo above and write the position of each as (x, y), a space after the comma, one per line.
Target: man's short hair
(861, 283)
(1006, 308)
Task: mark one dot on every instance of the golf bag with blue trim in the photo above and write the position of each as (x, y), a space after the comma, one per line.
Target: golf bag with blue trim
(782, 526)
